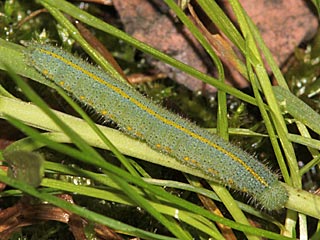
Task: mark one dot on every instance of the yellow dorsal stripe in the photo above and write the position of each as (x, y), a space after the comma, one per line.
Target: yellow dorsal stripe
(159, 117)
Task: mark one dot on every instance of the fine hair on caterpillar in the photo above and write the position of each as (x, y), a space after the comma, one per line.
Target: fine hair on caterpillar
(139, 117)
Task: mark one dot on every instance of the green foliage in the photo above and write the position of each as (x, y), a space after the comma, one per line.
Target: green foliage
(128, 184)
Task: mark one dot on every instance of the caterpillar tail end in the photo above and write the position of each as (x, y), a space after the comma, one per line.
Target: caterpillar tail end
(274, 197)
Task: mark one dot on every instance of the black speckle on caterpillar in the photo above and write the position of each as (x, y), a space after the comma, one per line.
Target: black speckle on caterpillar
(164, 131)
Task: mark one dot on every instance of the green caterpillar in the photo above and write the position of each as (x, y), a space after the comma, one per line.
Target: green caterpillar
(164, 131)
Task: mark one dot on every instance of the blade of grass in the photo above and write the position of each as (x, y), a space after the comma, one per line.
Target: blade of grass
(31, 115)
(174, 200)
(223, 23)
(98, 24)
(222, 128)
(113, 195)
(297, 108)
(97, 160)
(83, 212)
(73, 31)
(276, 115)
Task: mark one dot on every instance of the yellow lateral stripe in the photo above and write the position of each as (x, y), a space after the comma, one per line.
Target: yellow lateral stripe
(159, 117)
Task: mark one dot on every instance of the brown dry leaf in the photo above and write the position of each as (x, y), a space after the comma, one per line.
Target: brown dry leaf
(211, 206)
(25, 213)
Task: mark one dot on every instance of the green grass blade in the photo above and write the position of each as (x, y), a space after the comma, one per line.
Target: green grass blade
(98, 24)
(80, 210)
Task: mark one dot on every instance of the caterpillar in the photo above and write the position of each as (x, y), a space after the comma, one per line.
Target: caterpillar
(139, 117)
